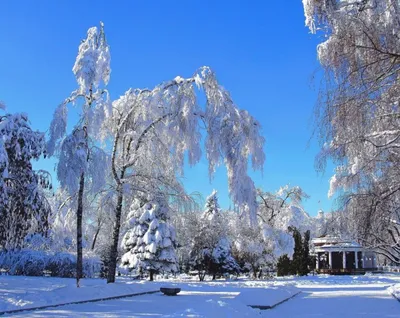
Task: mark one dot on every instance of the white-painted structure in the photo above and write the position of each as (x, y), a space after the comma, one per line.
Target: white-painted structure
(335, 255)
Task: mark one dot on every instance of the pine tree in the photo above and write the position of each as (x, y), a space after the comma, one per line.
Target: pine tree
(150, 242)
(296, 263)
(306, 260)
(301, 255)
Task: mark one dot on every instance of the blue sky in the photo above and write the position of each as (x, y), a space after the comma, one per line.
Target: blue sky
(260, 51)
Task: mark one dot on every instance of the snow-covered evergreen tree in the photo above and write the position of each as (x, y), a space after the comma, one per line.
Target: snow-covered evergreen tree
(211, 249)
(150, 242)
(22, 204)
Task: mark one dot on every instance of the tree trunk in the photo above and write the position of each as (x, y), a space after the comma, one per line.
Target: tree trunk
(95, 238)
(202, 275)
(151, 275)
(79, 214)
(254, 271)
(115, 239)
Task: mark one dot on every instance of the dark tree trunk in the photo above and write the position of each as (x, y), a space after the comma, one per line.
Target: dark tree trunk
(151, 275)
(115, 239)
(79, 214)
(254, 271)
(202, 275)
(95, 238)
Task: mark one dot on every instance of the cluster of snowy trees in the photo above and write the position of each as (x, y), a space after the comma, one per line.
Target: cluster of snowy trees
(122, 159)
(218, 242)
(358, 118)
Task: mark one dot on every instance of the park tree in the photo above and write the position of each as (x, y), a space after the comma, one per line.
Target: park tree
(272, 205)
(149, 243)
(154, 129)
(249, 247)
(358, 115)
(23, 206)
(210, 247)
(82, 164)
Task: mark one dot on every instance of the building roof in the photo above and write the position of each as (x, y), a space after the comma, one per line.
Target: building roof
(329, 242)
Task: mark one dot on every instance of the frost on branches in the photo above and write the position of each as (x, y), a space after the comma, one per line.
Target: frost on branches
(168, 119)
(22, 203)
(82, 163)
(358, 119)
(154, 129)
(77, 151)
(149, 243)
(211, 249)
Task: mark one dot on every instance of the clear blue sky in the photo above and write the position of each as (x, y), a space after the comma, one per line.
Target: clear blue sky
(260, 50)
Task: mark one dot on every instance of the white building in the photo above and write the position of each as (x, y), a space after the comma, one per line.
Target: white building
(337, 256)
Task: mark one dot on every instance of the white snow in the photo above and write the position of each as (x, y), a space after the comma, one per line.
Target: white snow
(322, 296)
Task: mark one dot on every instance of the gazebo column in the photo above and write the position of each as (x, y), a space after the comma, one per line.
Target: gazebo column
(330, 260)
(344, 260)
(317, 262)
(356, 258)
(362, 259)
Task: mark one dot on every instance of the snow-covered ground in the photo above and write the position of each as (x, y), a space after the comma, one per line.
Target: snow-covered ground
(322, 296)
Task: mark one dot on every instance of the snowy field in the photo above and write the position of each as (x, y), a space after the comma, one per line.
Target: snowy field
(321, 296)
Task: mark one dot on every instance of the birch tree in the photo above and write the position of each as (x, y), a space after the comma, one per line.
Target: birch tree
(81, 162)
(358, 117)
(153, 130)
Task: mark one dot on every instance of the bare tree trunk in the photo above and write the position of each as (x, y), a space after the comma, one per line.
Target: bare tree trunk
(254, 271)
(151, 275)
(95, 238)
(79, 213)
(115, 239)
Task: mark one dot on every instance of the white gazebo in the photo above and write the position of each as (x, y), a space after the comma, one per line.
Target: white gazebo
(338, 256)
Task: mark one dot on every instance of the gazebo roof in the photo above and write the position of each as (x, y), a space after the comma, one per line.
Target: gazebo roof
(329, 242)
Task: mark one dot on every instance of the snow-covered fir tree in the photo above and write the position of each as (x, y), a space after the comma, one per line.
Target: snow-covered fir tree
(150, 242)
(23, 206)
(211, 249)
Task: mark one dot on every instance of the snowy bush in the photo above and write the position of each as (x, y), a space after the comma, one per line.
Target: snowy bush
(28, 263)
(62, 265)
(34, 263)
(283, 265)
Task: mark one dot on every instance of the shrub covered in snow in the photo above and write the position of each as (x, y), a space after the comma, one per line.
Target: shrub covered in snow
(35, 263)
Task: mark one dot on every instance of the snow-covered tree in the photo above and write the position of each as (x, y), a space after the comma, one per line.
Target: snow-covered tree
(81, 162)
(23, 207)
(358, 118)
(249, 247)
(277, 212)
(210, 247)
(272, 205)
(186, 218)
(153, 130)
(149, 244)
